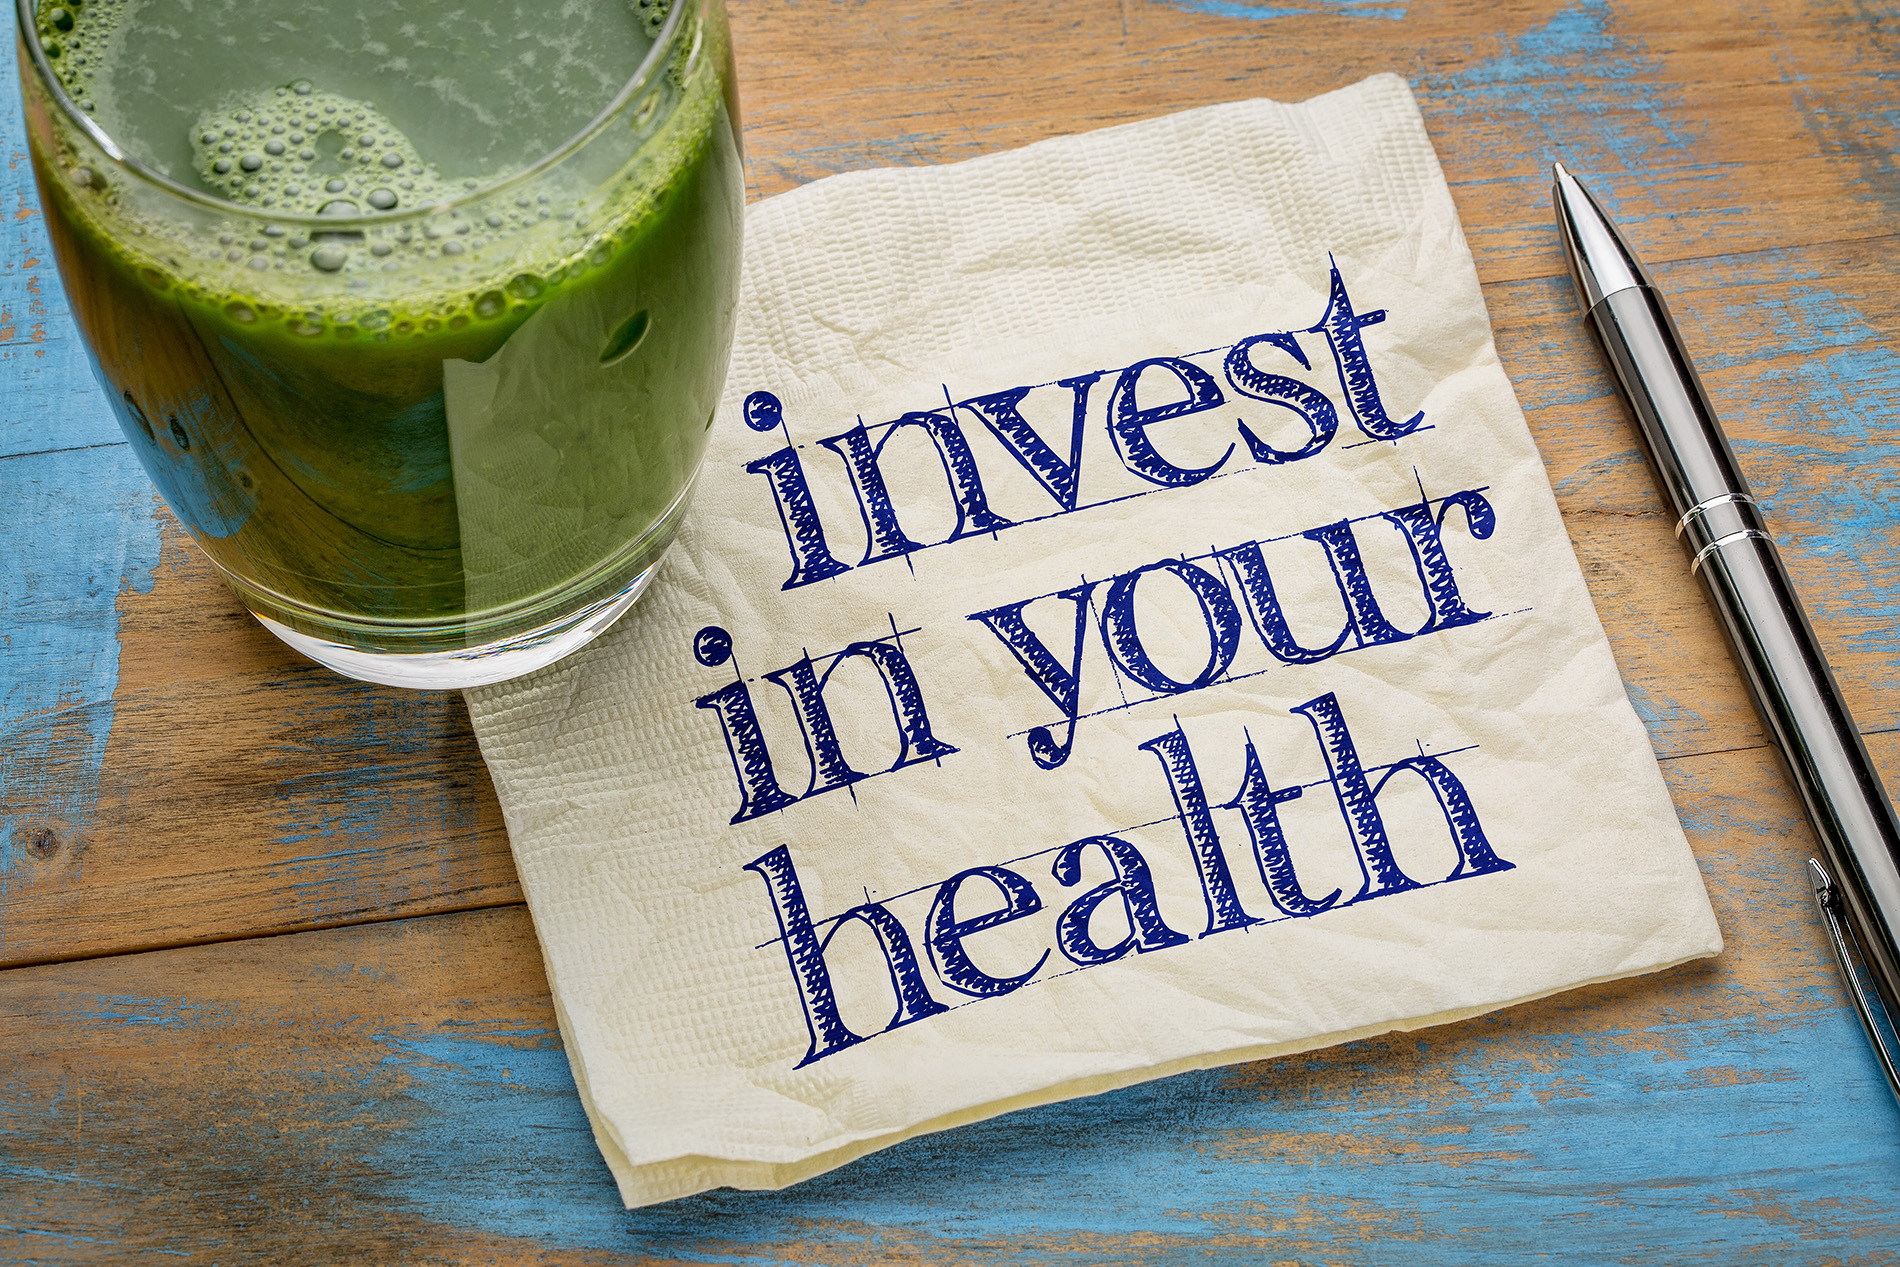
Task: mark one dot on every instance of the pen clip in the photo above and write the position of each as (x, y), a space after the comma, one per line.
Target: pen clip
(1828, 899)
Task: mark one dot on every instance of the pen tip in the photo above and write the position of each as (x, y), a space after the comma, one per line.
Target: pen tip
(1559, 172)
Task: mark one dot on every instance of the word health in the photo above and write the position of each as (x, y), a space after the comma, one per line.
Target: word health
(1128, 903)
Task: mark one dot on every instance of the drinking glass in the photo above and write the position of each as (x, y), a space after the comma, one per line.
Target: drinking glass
(434, 428)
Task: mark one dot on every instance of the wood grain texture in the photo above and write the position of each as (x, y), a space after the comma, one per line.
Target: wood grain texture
(1708, 134)
(209, 718)
(398, 1092)
(338, 802)
(170, 775)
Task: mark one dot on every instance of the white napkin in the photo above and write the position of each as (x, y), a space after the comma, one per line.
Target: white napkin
(1206, 611)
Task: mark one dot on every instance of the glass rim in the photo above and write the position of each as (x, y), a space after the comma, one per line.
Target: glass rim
(30, 39)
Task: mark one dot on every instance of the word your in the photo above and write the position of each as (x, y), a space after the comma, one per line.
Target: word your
(1204, 582)
(1130, 411)
(1132, 886)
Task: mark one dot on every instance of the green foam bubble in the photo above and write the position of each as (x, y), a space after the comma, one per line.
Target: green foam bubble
(302, 150)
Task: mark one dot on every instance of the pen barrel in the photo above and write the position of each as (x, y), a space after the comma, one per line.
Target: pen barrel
(1781, 660)
(1807, 719)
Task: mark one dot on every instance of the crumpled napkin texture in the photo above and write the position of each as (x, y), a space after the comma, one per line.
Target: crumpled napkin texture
(1124, 626)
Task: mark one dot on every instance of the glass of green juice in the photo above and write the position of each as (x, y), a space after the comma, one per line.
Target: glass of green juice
(416, 314)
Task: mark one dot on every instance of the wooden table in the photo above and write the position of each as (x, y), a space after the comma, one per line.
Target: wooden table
(270, 992)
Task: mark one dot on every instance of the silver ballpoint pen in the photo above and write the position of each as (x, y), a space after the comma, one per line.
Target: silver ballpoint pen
(1721, 527)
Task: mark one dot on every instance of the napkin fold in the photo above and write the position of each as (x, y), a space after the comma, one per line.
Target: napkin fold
(1124, 626)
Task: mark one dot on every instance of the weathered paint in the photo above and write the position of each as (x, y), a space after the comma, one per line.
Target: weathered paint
(79, 530)
(1803, 380)
(407, 1071)
(80, 533)
(1459, 1146)
(1866, 126)
(51, 397)
(1478, 1136)
(1579, 90)
(1586, 91)
(1260, 10)
(1807, 386)
(1742, 1123)
(363, 738)
(503, 1101)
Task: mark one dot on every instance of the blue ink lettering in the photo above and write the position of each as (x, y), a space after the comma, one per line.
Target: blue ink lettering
(1218, 613)
(862, 459)
(812, 559)
(1421, 528)
(805, 950)
(1224, 911)
(1259, 805)
(1000, 413)
(1358, 803)
(946, 931)
(1132, 883)
(806, 687)
(762, 411)
(1309, 404)
(759, 792)
(1341, 326)
(1128, 422)
(1062, 686)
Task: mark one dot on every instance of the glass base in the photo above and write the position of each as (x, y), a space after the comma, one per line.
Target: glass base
(470, 666)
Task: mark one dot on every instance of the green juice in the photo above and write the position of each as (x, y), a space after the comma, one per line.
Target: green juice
(416, 315)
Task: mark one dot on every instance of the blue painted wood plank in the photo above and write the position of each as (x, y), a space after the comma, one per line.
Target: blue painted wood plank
(406, 1080)
(79, 530)
(49, 398)
(81, 534)
(398, 1092)
(355, 823)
